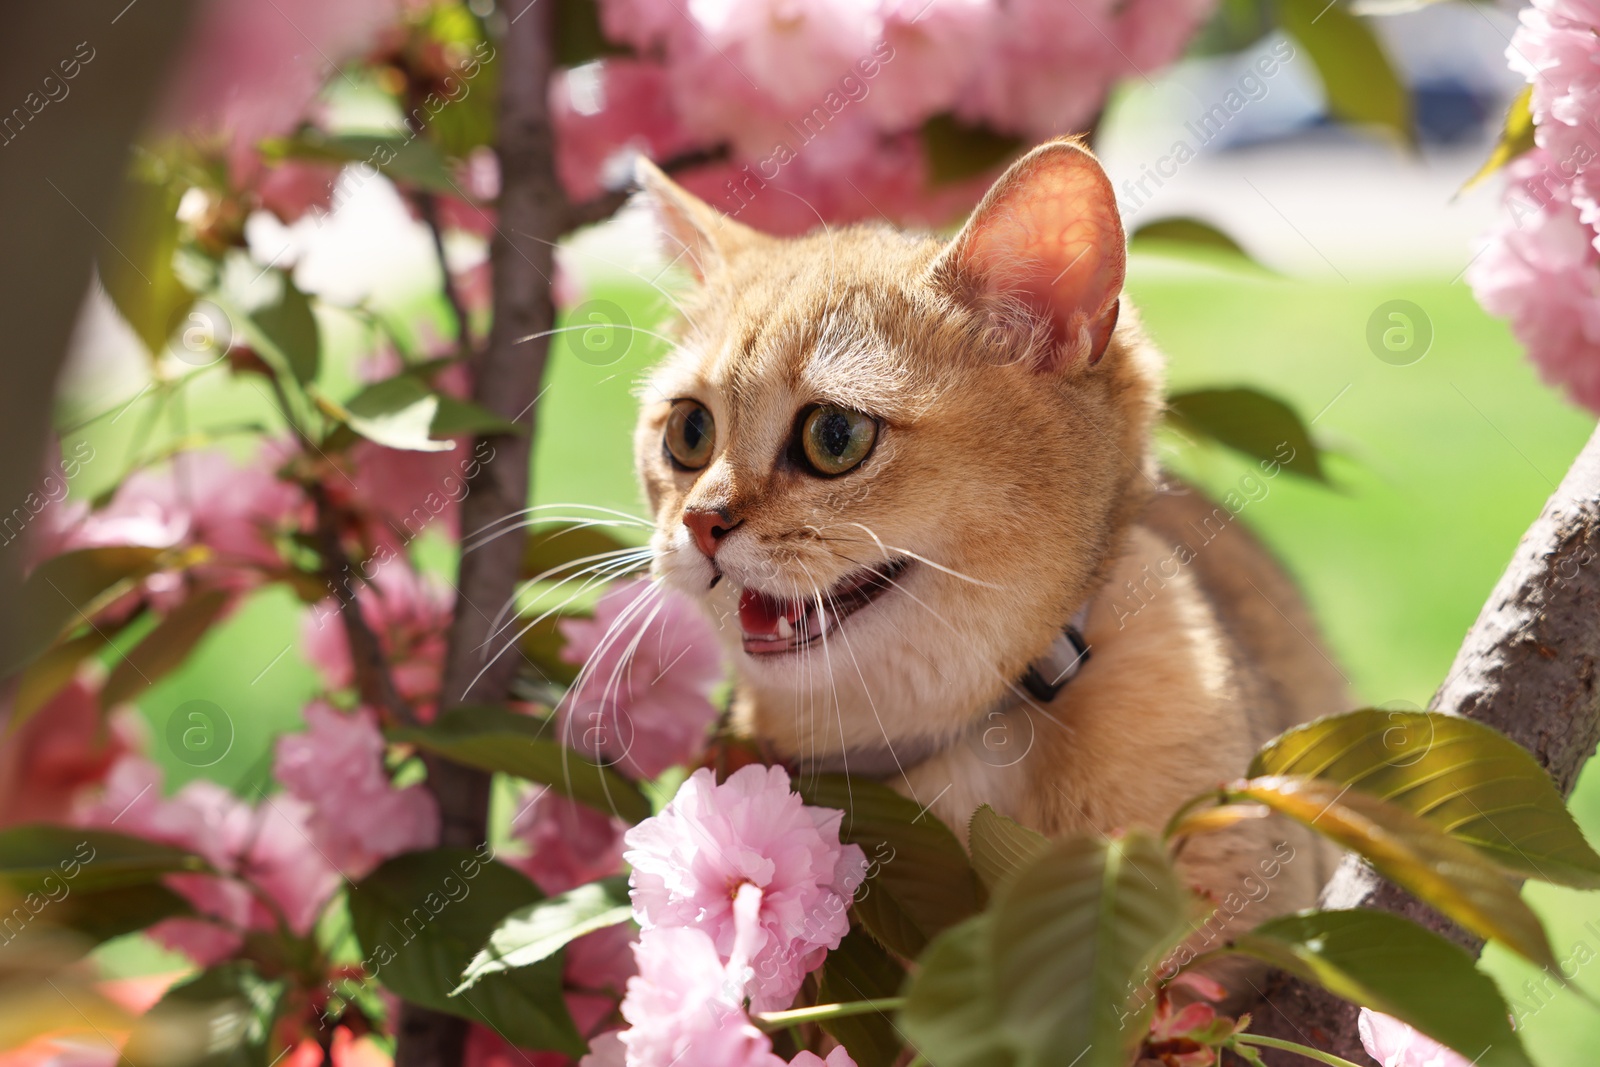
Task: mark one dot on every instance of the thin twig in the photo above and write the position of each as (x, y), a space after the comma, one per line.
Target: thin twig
(428, 208)
(609, 203)
(374, 681)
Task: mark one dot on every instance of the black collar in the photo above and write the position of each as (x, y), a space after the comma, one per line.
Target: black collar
(1042, 681)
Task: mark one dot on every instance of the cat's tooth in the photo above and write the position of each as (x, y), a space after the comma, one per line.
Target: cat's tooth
(784, 629)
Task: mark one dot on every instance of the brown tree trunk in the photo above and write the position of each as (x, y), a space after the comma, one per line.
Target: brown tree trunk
(1529, 668)
(532, 213)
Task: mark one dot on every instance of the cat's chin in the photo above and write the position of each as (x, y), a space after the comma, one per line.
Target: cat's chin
(775, 626)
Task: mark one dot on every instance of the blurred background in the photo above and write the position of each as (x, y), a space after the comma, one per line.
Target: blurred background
(1439, 450)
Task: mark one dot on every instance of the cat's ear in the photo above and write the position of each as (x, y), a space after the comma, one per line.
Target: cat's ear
(693, 232)
(1047, 236)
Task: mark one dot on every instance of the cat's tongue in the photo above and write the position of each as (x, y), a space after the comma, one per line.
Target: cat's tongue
(760, 614)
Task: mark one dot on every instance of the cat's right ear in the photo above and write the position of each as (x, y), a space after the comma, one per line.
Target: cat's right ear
(693, 232)
(1045, 239)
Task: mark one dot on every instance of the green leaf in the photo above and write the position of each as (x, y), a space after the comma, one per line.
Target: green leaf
(541, 641)
(274, 316)
(951, 1004)
(230, 1007)
(538, 931)
(494, 739)
(397, 412)
(1000, 847)
(136, 265)
(1045, 976)
(1393, 966)
(1181, 235)
(1072, 934)
(49, 674)
(86, 859)
(859, 970)
(452, 416)
(553, 550)
(1516, 137)
(98, 915)
(1467, 779)
(164, 648)
(1358, 80)
(1452, 877)
(456, 416)
(65, 591)
(1252, 422)
(919, 881)
(578, 37)
(421, 918)
(957, 151)
(412, 161)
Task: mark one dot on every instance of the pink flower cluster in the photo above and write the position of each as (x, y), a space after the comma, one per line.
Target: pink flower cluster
(739, 890)
(821, 98)
(358, 818)
(1541, 268)
(408, 612)
(278, 860)
(1395, 1044)
(200, 499)
(650, 660)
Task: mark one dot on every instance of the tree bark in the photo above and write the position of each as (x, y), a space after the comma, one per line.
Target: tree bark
(1528, 667)
(532, 214)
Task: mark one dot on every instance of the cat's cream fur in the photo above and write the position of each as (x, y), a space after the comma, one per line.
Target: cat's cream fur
(1015, 468)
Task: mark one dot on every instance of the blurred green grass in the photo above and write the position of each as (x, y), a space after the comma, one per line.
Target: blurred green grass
(1441, 466)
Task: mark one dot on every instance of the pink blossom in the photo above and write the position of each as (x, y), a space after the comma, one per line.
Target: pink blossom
(839, 1057)
(201, 499)
(602, 961)
(410, 614)
(752, 829)
(251, 70)
(402, 493)
(1394, 1044)
(1541, 270)
(650, 661)
(686, 1005)
(292, 188)
(64, 748)
(358, 818)
(268, 846)
(1555, 47)
(568, 843)
(606, 111)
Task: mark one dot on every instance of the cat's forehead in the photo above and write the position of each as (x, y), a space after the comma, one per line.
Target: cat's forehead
(840, 320)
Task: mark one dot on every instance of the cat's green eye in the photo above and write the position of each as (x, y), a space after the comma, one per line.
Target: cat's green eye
(690, 434)
(835, 439)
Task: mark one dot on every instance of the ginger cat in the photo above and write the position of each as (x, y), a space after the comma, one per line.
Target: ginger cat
(895, 468)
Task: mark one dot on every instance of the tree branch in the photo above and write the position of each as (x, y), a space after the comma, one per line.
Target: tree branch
(374, 681)
(1529, 668)
(428, 208)
(609, 203)
(533, 209)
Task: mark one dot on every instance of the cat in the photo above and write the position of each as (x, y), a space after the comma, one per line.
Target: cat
(912, 480)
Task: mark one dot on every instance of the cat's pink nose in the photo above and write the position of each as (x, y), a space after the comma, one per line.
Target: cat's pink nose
(709, 527)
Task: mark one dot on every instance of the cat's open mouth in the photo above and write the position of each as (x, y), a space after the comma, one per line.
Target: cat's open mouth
(774, 624)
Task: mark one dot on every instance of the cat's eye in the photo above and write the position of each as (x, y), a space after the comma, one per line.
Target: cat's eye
(690, 434)
(835, 439)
